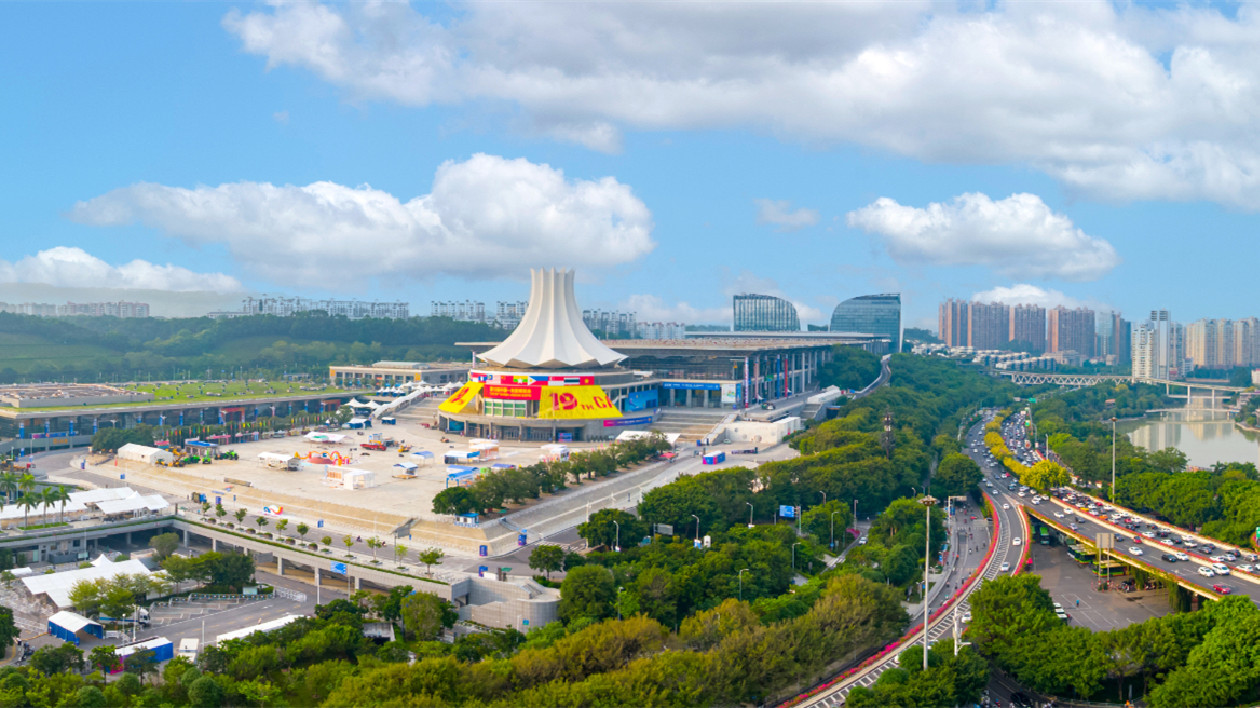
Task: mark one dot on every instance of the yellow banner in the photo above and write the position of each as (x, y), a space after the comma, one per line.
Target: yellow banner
(570, 402)
(461, 398)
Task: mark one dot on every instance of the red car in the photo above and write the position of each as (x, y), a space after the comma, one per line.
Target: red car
(1137, 539)
(1222, 589)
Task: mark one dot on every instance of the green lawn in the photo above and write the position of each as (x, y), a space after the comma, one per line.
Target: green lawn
(201, 392)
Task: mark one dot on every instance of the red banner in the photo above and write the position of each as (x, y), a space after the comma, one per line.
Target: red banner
(516, 393)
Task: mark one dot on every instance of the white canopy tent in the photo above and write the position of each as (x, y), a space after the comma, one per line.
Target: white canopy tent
(57, 586)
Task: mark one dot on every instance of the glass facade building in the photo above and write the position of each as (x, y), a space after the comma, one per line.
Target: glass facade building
(765, 313)
(875, 314)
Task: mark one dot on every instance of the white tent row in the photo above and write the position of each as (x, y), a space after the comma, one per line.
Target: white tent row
(92, 496)
(325, 437)
(43, 512)
(263, 627)
(57, 586)
(671, 438)
(151, 502)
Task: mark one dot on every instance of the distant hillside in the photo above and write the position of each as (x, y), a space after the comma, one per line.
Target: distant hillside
(111, 349)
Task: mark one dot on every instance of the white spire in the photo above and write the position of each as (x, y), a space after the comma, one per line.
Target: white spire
(552, 334)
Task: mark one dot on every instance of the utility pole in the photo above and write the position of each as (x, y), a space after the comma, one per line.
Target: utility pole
(928, 502)
(741, 584)
(750, 514)
(833, 529)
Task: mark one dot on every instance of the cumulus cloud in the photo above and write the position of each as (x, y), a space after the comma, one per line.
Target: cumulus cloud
(651, 308)
(1017, 236)
(781, 214)
(484, 217)
(1027, 294)
(67, 266)
(1117, 100)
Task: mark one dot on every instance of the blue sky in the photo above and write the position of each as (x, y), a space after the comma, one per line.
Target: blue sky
(673, 153)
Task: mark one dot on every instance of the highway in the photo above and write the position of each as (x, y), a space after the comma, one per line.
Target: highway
(1005, 554)
(1065, 515)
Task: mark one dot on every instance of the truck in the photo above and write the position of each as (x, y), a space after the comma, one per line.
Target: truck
(188, 649)
(373, 446)
(142, 616)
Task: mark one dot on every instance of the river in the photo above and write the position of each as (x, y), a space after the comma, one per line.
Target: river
(1206, 436)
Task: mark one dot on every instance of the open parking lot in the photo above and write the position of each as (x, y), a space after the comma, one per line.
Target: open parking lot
(1073, 586)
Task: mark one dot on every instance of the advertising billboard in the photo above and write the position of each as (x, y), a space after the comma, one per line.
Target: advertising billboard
(691, 386)
(513, 392)
(575, 402)
(461, 398)
(730, 394)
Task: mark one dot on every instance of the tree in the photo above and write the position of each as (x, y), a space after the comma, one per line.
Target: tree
(821, 520)
(281, 525)
(302, 529)
(85, 595)
(26, 484)
(431, 557)
(165, 544)
(8, 630)
(327, 541)
(375, 543)
(219, 511)
(262, 522)
(89, 697)
(587, 591)
(205, 692)
(956, 474)
(104, 658)
(348, 540)
(425, 615)
(140, 663)
(547, 558)
(601, 531)
(50, 661)
(455, 500)
(400, 552)
(240, 515)
(234, 570)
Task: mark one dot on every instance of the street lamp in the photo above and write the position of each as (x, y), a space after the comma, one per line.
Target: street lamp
(1113, 459)
(750, 514)
(741, 584)
(855, 513)
(697, 518)
(928, 502)
(824, 496)
(619, 589)
(617, 542)
(833, 529)
(794, 545)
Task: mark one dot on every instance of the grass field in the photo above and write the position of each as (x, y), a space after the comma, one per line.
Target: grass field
(209, 391)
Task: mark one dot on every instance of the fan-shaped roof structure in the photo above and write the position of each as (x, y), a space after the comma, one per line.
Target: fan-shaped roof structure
(552, 334)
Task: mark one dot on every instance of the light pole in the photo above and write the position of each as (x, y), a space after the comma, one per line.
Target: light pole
(927, 502)
(619, 589)
(833, 529)
(794, 545)
(697, 518)
(824, 496)
(617, 542)
(741, 584)
(855, 513)
(750, 514)
(1113, 459)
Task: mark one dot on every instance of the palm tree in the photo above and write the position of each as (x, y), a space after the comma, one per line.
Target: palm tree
(26, 483)
(63, 496)
(49, 498)
(28, 501)
(8, 484)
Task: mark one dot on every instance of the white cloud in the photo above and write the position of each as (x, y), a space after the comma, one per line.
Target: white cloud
(281, 117)
(1118, 100)
(67, 266)
(1026, 294)
(651, 308)
(486, 216)
(780, 214)
(1016, 236)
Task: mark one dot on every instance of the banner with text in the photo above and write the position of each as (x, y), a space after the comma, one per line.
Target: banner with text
(575, 402)
(461, 398)
(514, 392)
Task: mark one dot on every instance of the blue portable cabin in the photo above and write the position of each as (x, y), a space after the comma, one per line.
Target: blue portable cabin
(461, 475)
(163, 650)
(72, 627)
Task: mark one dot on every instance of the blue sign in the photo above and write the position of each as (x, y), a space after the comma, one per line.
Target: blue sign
(483, 551)
(481, 569)
(337, 567)
(319, 524)
(520, 539)
(639, 400)
(787, 512)
(691, 386)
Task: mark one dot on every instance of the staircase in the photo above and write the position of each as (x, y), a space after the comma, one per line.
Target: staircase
(690, 424)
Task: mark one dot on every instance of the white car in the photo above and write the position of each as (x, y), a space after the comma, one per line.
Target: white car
(862, 541)
(1181, 556)
(1220, 568)
(1004, 567)
(1006, 506)
(1057, 515)
(966, 619)
(1134, 550)
(1217, 559)
(1016, 541)
(1247, 568)
(1206, 572)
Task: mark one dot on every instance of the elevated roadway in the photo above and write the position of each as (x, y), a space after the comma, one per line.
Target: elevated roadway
(1029, 378)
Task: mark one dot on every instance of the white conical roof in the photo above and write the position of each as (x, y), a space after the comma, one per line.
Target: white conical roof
(552, 334)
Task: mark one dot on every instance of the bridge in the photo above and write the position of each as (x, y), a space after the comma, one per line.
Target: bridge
(1029, 378)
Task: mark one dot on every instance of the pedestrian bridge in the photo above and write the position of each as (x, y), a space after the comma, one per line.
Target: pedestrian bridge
(1029, 378)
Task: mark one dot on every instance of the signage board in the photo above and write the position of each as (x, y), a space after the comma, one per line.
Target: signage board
(665, 529)
(513, 392)
(337, 567)
(730, 394)
(787, 512)
(691, 386)
(575, 402)
(616, 422)
(461, 399)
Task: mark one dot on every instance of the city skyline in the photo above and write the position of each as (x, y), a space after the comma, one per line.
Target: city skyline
(317, 171)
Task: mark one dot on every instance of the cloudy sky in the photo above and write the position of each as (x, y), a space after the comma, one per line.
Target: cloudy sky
(674, 153)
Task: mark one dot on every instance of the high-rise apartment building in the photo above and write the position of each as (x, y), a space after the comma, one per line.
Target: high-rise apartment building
(662, 330)
(952, 322)
(612, 325)
(466, 311)
(1247, 342)
(873, 314)
(764, 313)
(1028, 328)
(1158, 347)
(508, 314)
(1071, 330)
(988, 325)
